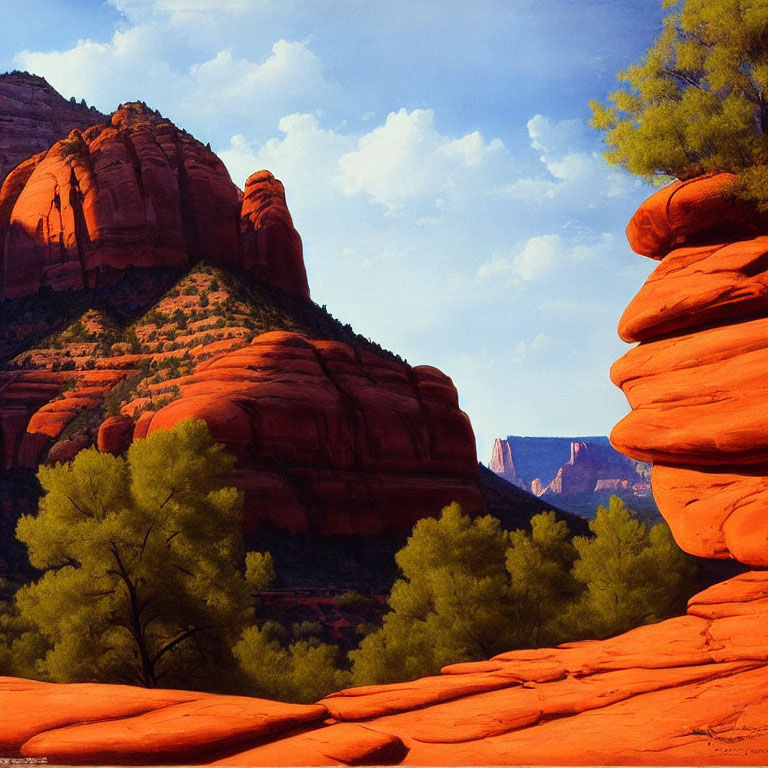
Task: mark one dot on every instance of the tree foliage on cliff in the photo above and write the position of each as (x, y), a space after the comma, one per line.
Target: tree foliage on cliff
(698, 100)
(141, 566)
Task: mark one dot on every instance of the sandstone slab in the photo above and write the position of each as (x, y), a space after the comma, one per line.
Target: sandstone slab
(688, 691)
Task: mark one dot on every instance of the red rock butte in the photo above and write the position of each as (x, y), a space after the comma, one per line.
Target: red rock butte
(331, 438)
(696, 382)
(138, 192)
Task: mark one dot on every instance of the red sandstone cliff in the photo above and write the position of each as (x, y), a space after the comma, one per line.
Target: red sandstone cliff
(331, 438)
(138, 192)
(270, 247)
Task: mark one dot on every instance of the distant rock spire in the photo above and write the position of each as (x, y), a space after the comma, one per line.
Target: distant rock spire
(503, 464)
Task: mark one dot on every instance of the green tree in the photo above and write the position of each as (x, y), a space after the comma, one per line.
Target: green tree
(452, 604)
(632, 575)
(698, 101)
(542, 587)
(259, 570)
(303, 670)
(140, 561)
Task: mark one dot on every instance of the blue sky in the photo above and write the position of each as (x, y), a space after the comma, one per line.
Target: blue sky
(452, 199)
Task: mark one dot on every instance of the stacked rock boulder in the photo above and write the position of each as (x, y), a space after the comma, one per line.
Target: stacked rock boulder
(696, 381)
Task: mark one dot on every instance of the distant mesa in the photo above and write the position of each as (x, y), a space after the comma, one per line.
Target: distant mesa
(578, 474)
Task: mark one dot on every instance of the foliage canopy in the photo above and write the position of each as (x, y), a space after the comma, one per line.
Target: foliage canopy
(452, 603)
(632, 575)
(141, 565)
(471, 590)
(299, 669)
(541, 585)
(698, 100)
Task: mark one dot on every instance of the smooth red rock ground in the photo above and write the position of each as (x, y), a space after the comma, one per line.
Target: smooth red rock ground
(688, 691)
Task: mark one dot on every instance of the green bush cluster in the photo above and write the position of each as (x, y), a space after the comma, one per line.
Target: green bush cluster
(144, 581)
(470, 590)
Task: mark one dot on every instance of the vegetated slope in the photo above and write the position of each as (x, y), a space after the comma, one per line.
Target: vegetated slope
(108, 367)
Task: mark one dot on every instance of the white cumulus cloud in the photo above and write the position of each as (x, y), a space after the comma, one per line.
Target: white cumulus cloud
(407, 158)
(291, 75)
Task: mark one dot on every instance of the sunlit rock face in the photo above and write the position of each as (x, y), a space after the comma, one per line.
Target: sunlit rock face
(696, 381)
(136, 191)
(332, 439)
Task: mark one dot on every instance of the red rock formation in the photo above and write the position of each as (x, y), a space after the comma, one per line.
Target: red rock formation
(695, 383)
(33, 116)
(270, 247)
(115, 434)
(685, 211)
(700, 698)
(138, 192)
(331, 438)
